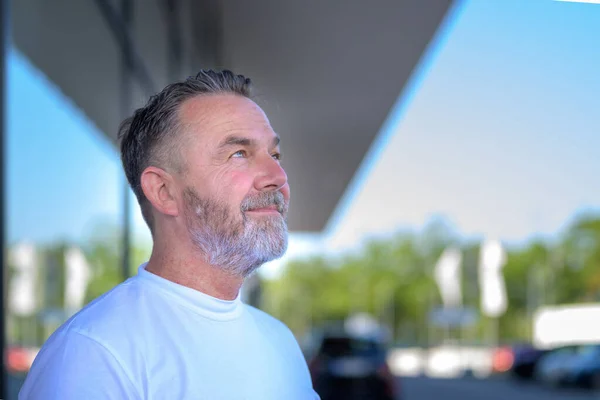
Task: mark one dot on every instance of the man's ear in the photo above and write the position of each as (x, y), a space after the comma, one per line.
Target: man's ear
(159, 188)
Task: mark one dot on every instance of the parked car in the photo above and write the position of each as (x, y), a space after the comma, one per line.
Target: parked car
(347, 367)
(584, 371)
(553, 367)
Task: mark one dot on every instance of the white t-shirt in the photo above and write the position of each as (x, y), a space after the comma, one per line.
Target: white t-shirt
(150, 338)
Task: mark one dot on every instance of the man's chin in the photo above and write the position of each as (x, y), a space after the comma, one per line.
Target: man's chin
(278, 249)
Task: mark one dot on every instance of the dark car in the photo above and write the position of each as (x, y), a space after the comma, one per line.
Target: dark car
(347, 368)
(525, 359)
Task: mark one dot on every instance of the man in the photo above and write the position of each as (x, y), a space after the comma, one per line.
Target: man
(203, 161)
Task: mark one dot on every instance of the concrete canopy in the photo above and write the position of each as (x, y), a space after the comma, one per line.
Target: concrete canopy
(327, 72)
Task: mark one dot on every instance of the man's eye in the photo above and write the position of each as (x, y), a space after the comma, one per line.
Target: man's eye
(239, 154)
(276, 156)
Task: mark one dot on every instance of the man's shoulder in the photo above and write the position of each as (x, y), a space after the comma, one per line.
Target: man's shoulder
(110, 313)
(265, 318)
(272, 324)
(93, 348)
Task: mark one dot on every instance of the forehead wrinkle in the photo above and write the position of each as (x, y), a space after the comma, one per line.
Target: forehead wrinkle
(223, 114)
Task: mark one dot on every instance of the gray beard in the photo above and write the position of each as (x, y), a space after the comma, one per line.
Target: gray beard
(237, 245)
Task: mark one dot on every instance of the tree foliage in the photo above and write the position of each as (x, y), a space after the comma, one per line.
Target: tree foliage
(392, 280)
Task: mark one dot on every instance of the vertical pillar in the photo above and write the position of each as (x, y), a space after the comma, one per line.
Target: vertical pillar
(126, 103)
(4, 34)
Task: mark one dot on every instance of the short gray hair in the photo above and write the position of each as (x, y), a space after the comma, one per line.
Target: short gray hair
(148, 137)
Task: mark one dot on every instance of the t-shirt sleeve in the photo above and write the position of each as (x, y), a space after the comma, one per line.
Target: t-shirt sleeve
(74, 367)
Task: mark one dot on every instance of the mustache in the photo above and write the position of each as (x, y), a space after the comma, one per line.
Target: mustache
(265, 199)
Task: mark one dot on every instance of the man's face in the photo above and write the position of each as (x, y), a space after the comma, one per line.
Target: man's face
(235, 192)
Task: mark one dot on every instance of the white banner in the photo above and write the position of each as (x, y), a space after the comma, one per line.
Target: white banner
(22, 287)
(491, 281)
(77, 277)
(447, 275)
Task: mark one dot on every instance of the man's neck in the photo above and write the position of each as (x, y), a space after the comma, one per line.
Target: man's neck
(194, 273)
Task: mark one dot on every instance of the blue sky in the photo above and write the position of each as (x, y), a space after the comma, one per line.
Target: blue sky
(497, 131)
(63, 175)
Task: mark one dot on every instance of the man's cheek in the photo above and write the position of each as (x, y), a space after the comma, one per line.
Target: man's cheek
(238, 180)
(233, 187)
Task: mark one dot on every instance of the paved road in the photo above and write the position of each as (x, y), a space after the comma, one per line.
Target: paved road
(452, 389)
(493, 389)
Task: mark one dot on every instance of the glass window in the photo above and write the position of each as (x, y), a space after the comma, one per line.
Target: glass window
(65, 185)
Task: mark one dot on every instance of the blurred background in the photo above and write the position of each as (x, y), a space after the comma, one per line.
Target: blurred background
(443, 160)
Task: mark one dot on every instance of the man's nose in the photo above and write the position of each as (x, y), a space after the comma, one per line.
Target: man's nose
(271, 175)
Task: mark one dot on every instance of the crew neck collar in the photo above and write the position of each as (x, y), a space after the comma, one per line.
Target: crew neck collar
(202, 303)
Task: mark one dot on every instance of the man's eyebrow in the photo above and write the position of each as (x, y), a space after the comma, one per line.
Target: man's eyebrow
(236, 141)
(243, 141)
